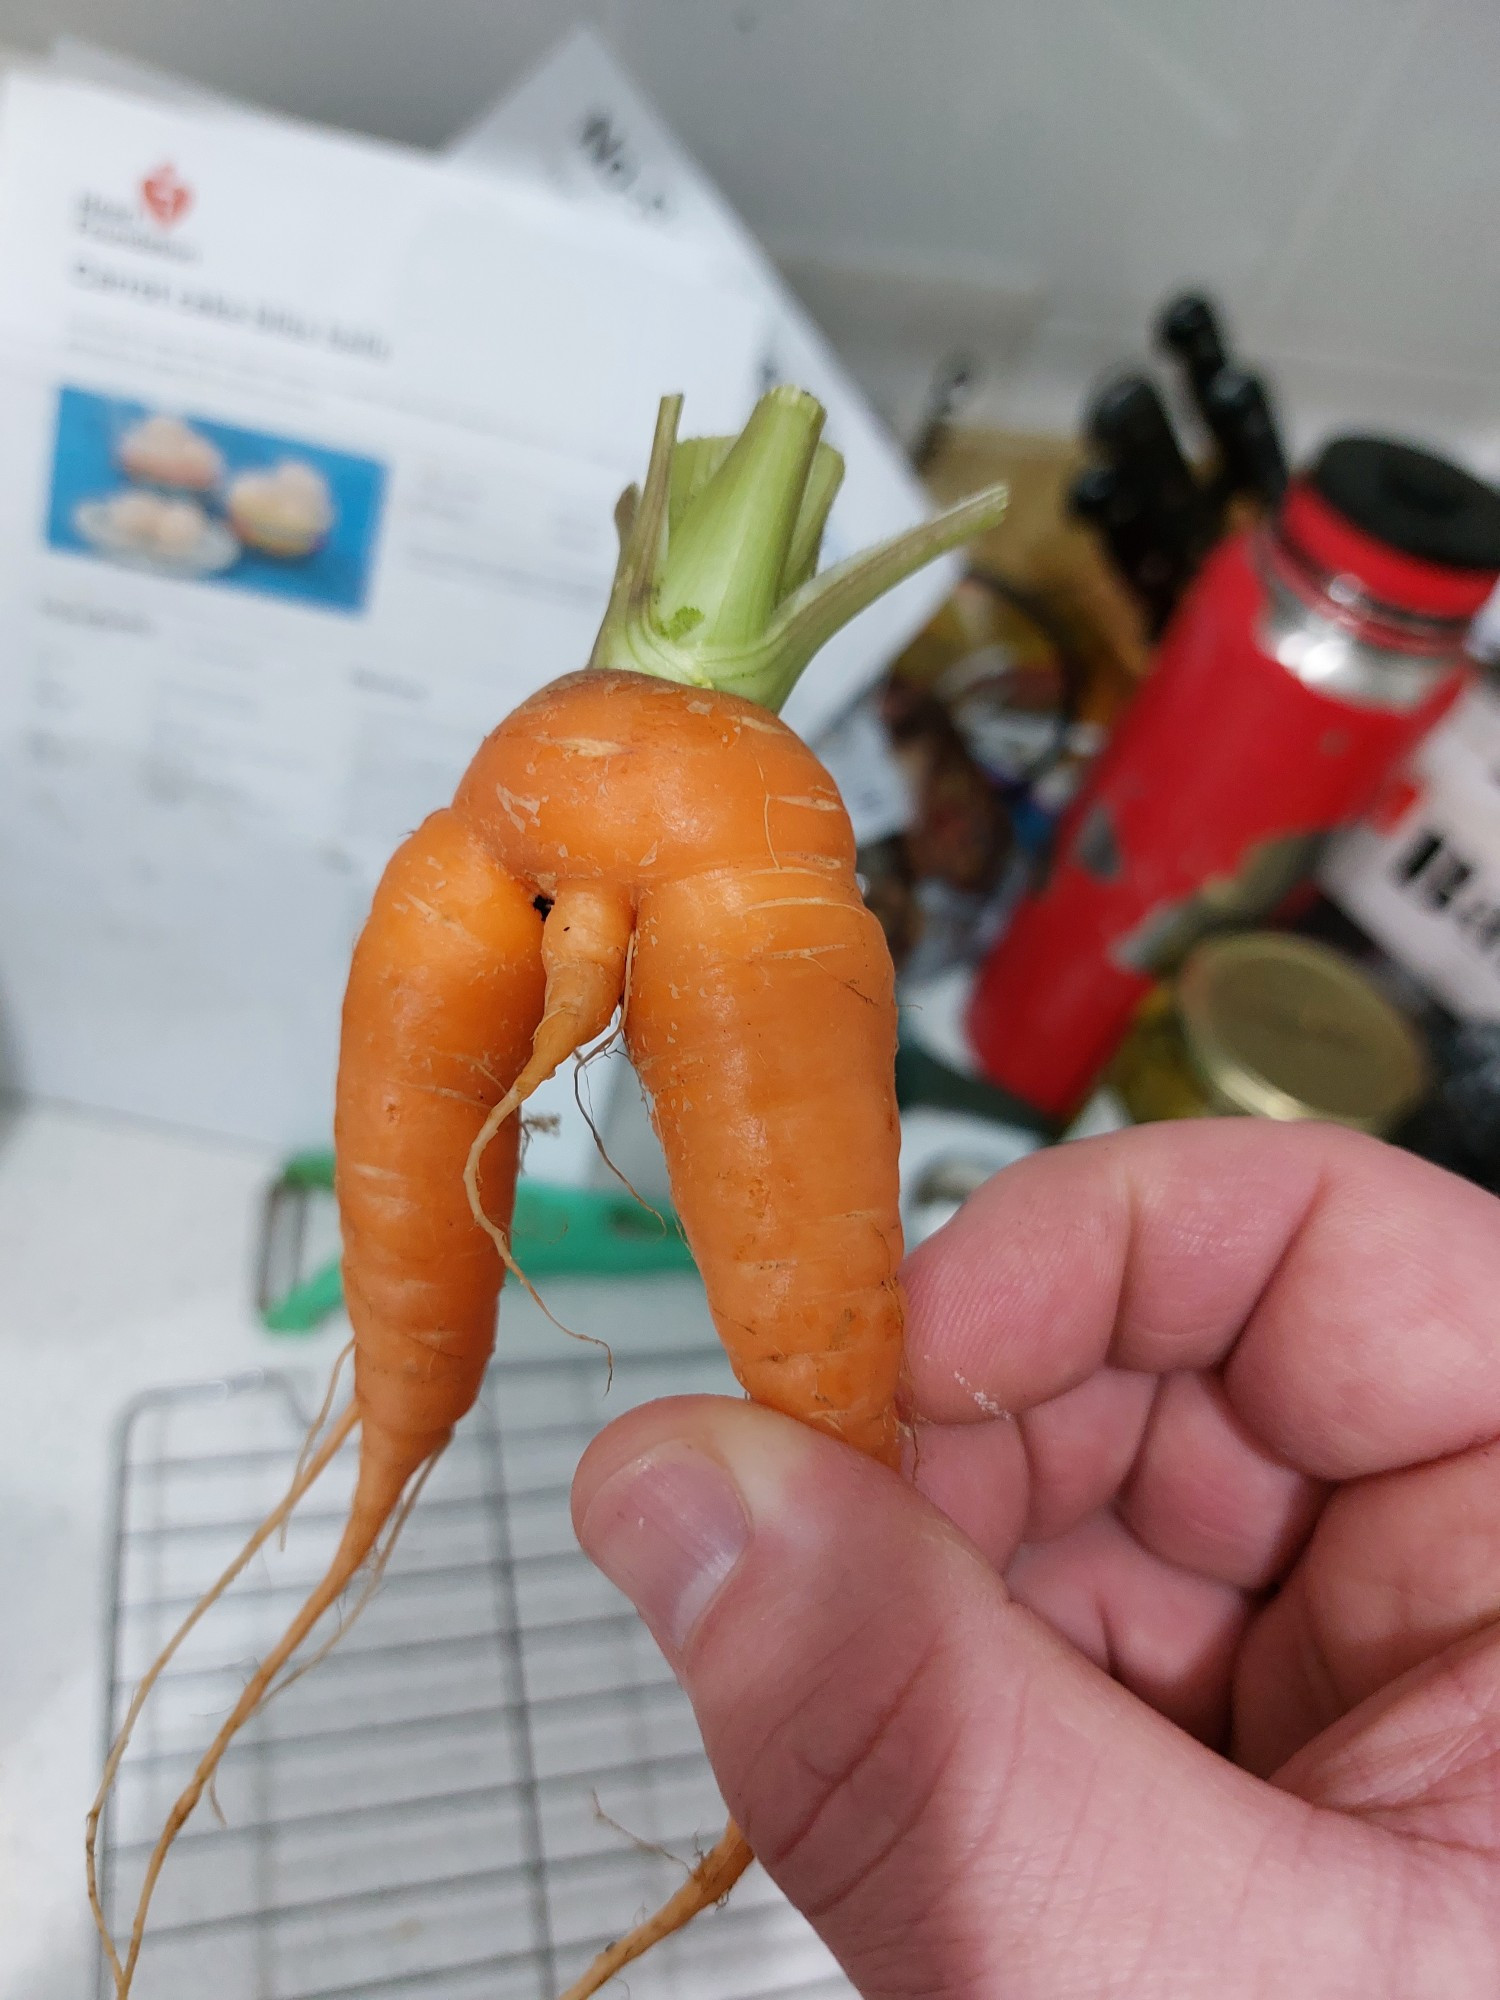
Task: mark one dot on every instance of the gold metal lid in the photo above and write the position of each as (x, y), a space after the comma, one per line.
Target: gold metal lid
(1283, 1027)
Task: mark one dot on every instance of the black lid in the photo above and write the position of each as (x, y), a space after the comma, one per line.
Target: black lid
(1411, 500)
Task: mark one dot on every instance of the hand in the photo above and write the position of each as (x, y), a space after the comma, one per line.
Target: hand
(1179, 1671)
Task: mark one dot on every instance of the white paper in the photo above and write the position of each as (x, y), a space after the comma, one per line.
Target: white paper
(208, 748)
(580, 125)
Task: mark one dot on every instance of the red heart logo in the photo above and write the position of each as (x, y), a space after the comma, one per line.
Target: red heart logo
(166, 194)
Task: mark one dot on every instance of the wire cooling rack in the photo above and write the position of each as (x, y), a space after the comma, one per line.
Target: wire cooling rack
(467, 1797)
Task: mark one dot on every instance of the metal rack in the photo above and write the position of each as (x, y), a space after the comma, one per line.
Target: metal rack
(439, 1808)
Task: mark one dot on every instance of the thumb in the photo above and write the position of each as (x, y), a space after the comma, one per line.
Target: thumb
(958, 1801)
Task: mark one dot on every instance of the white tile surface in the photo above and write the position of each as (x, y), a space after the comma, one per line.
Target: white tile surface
(1395, 263)
(1326, 168)
(411, 72)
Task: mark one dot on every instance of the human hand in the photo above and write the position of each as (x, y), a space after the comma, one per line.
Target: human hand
(1181, 1677)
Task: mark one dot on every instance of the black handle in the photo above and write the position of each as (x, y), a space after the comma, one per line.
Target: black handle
(1128, 421)
(1103, 498)
(1232, 402)
(1158, 518)
(1239, 413)
(1189, 328)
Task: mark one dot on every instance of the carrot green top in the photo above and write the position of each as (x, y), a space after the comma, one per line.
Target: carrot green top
(716, 584)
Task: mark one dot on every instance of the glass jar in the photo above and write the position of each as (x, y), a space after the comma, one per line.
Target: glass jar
(1268, 1025)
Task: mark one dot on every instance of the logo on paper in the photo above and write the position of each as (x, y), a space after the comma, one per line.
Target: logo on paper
(143, 216)
(166, 195)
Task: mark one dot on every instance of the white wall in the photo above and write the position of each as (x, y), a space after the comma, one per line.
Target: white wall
(1034, 174)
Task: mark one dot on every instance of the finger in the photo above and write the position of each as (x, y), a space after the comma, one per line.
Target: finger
(1345, 1284)
(1080, 1447)
(958, 1801)
(1167, 1635)
(1207, 1495)
(1373, 1347)
(1147, 1248)
(1400, 1568)
(977, 1475)
(1035, 1476)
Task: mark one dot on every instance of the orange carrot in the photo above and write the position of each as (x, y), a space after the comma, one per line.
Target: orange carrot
(643, 836)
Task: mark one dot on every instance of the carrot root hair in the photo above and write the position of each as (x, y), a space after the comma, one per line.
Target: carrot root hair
(709, 1883)
(501, 1241)
(585, 1112)
(379, 1562)
(310, 1442)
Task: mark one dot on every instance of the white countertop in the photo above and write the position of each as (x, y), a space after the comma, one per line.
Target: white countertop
(124, 1262)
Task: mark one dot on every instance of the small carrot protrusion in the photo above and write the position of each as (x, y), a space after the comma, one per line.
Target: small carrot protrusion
(643, 838)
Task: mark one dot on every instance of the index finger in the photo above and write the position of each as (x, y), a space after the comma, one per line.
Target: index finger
(1348, 1291)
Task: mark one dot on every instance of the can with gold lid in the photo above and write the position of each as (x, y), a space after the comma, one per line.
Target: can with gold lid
(1265, 1024)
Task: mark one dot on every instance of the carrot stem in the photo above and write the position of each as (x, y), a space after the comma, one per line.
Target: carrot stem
(720, 580)
(716, 583)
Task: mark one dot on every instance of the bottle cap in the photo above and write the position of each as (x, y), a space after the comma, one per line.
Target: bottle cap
(1411, 530)
(1283, 1027)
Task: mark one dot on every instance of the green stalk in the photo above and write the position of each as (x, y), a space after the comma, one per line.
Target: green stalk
(716, 585)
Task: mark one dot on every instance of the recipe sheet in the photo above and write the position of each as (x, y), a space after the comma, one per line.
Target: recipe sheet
(309, 448)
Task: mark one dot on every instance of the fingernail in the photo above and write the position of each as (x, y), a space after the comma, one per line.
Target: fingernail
(667, 1529)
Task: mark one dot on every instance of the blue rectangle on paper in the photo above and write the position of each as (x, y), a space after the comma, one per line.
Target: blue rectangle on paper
(89, 479)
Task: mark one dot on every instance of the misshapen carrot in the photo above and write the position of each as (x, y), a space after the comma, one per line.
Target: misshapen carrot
(643, 834)
(759, 1018)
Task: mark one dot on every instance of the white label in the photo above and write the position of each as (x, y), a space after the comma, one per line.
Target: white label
(1422, 874)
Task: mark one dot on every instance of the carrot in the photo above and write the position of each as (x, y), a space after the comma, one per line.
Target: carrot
(643, 837)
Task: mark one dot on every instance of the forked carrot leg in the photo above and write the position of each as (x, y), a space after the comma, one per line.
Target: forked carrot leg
(585, 944)
(309, 1469)
(377, 1496)
(709, 1883)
